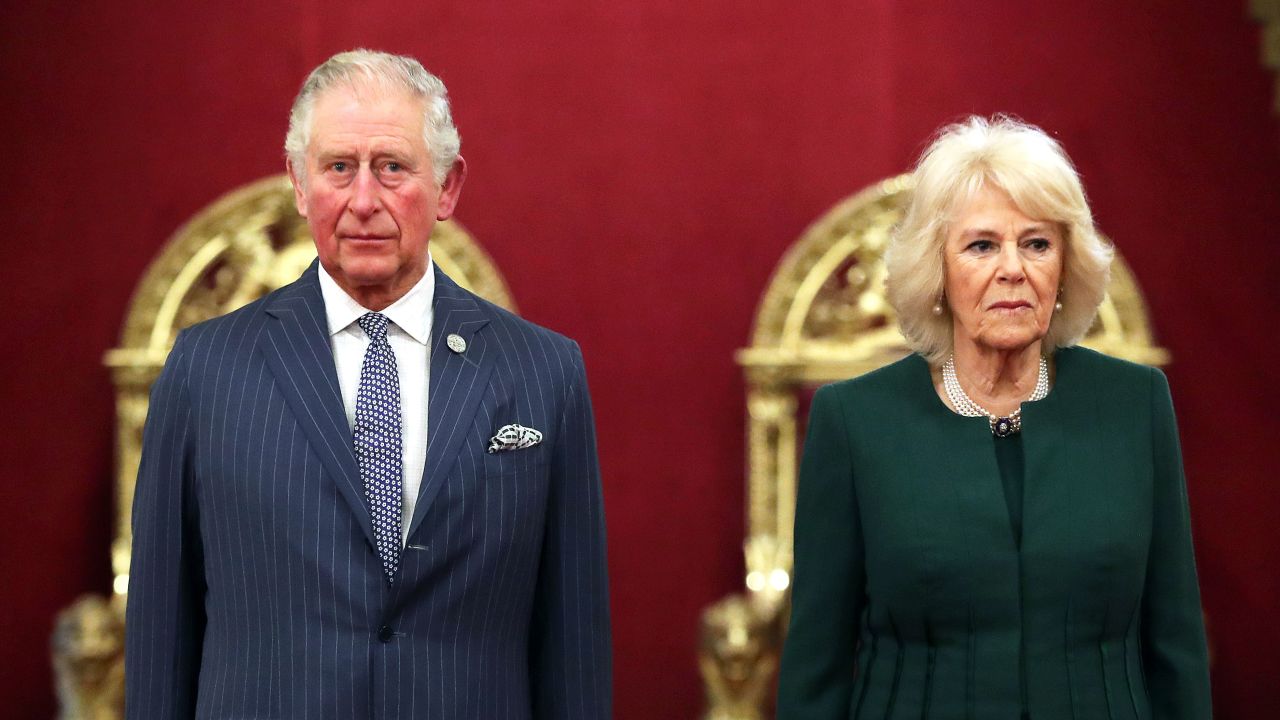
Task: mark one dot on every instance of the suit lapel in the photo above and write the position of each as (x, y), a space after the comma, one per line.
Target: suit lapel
(458, 384)
(296, 346)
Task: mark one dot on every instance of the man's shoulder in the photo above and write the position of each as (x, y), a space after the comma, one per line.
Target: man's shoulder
(221, 331)
(237, 320)
(521, 328)
(517, 334)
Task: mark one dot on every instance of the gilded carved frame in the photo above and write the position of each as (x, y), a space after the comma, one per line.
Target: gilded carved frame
(1267, 12)
(822, 318)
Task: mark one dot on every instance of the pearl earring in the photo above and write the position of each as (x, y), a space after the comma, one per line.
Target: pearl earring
(937, 308)
(1057, 307)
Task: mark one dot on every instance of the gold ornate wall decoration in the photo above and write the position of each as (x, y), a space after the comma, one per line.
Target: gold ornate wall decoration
(240, 247)
(824, 317)
(738, 658)
(1267, 12)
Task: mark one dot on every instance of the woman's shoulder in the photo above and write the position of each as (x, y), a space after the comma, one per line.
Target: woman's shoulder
(1101, 369)
(1116, 388)
(891, 381)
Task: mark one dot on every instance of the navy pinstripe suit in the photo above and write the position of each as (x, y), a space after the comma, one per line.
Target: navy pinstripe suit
(254, 588)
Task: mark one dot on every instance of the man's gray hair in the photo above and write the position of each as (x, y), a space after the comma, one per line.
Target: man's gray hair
(386, 71)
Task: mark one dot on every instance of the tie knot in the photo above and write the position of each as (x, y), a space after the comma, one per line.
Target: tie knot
(374, 325)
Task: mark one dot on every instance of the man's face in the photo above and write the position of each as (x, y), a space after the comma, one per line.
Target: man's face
(368, 191)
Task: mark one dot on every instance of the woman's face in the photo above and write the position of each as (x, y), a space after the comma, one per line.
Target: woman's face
(1002, 272)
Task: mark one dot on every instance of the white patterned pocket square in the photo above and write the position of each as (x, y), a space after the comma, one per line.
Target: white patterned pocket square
(514, 437)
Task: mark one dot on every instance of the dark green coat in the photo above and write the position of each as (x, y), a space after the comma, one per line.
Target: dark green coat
(912, 598)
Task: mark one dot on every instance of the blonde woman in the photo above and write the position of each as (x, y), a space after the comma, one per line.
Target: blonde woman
(995, 526)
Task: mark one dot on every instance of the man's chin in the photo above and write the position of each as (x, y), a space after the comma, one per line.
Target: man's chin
(369, 271)
(378, 277)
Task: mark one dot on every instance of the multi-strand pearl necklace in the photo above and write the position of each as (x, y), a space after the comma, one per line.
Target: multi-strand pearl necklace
(1000, 426)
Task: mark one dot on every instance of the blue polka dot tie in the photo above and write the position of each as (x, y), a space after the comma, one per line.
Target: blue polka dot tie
(377, 440)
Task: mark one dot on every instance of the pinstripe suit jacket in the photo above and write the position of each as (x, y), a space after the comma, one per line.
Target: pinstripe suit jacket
(255, 591)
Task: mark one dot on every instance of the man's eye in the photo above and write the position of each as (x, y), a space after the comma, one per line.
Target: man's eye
(392, 167)
(339, 166)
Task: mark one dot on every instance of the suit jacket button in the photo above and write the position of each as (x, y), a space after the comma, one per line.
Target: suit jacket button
(385, 633)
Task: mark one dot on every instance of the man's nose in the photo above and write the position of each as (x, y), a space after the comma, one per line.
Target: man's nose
(365, 198)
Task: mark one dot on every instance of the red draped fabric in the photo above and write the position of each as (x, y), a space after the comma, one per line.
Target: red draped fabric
(637, 170)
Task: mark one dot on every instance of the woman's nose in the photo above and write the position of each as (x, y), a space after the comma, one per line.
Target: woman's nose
(1011, 268)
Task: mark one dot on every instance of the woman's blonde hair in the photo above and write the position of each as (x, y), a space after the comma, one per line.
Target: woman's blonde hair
(1037, 174)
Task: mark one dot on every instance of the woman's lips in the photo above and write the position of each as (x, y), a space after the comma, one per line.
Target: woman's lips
(1009, 305)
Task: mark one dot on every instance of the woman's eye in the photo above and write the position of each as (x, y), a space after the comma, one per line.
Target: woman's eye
(1038, 244)
(981, 246)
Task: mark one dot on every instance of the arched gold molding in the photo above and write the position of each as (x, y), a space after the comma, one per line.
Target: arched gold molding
(824, 317)
(1267, 12)
(240, 247)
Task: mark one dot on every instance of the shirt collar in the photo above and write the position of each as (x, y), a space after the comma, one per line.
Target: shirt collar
(411, 313)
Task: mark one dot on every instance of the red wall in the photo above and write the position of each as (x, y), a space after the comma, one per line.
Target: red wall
(637, 170)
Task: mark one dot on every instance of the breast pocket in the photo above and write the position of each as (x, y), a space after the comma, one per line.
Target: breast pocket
(508, 509)
(523, 460)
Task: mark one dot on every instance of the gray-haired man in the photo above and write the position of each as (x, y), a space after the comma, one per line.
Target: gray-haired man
(324, 525)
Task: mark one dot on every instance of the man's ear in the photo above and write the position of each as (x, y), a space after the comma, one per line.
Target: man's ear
(450, 189)
(295, 177)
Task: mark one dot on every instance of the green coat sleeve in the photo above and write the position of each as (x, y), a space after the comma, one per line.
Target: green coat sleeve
(1173, 643)
(817, 675)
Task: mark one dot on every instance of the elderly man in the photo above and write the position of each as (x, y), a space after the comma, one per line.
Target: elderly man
(370, 494)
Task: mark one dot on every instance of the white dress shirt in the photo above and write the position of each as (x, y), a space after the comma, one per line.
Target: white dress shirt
(409, 333)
